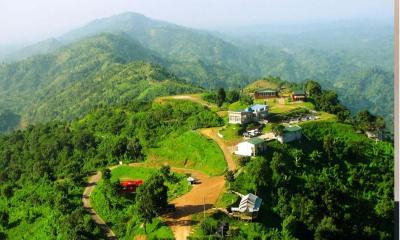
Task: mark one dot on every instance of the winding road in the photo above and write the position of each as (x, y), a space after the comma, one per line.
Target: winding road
(92, 182)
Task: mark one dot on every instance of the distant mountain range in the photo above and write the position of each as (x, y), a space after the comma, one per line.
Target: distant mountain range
(355, 59)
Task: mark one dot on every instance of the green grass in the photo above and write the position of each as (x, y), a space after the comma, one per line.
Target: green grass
(267, 128)
(231, 133)
(132, 173)
(237, 106)
(226, 200)
(276, 107)
(121, 219)
(190, 150)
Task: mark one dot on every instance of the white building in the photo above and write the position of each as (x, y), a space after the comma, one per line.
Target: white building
(240, 117)
(254, 113)
(290, 133)
(249, 205)
(251, 147)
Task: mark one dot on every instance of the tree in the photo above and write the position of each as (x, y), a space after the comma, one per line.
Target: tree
(327, 101)
(243, 161)
(230, 176)
(313, 88)
(232, 96)
(106, 174)
(246, 99)
(151, 199)
(278, 129)
(166, 171)
(365, 120)
(221, 96)
(326, 230)
(134, 149)
(120, 147)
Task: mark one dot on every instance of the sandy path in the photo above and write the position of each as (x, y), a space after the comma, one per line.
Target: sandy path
(202, 197)
(92, 182)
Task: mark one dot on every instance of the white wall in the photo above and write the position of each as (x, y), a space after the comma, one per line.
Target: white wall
(245, 149)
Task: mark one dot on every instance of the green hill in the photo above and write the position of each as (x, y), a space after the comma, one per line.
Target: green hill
(101, 70)
(353, 58)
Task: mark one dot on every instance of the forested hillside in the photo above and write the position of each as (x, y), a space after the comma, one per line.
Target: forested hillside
(100, 70)
(354, 58)
(43, 168)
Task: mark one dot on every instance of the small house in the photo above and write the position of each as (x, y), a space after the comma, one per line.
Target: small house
(290, 133)
(251, 147)
(240, 117)
(249, 206)
(265, 94)
(298, 95)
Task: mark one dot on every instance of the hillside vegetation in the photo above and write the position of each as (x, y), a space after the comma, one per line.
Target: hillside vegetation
(44, 167)
(353, 58)
(97, 71)
(190, 150)
(333, 184)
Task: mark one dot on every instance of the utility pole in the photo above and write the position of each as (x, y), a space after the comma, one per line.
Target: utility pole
(204, 208)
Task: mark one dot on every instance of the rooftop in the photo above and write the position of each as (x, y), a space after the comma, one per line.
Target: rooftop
(255, 141)
(258, 107)
(269, 90)
(249, 203)
(294, 128)
(298, 92)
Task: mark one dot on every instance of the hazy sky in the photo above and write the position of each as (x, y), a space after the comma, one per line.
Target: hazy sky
(32, 20)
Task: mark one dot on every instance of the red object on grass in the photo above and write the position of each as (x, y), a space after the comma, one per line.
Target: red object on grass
(130, 185)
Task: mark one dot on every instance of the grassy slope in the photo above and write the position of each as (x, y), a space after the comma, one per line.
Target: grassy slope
(190, 150)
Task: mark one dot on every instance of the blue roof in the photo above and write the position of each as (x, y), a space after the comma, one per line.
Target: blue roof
(258, 107)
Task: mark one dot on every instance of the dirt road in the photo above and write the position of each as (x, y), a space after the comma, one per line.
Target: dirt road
(202, 197)
(92, 182)
(213, 134)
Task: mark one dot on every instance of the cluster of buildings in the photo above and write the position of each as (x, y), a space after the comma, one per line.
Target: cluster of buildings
(254, 146)
(259, 113)
(267, 93)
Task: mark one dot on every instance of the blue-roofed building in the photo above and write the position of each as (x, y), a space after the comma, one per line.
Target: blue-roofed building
(260, 111)
(254, 113)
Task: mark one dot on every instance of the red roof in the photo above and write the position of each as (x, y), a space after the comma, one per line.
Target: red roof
(131, 183)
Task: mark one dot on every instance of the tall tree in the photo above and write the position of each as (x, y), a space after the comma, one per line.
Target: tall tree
(313, 88)
(221, 96)
(151, 199)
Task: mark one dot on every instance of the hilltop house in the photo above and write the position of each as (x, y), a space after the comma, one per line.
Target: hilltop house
(290, 133)
(240, 117)
(265, 93)
(252, 114)
(249, 207)
(298, 95)
(251, 147)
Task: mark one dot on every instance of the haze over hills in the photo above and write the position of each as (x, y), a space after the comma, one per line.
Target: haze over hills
(100, 70)
(355, 60)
